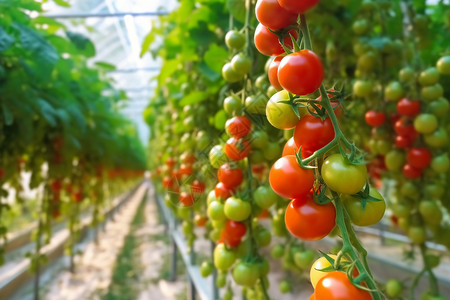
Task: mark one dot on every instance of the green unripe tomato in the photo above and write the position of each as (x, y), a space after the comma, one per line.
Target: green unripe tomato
(217, 156)
(437, 139)
(246, 274)
(256, 157)
(433, 260)
(277, 251)
(206, 269)
(281, 115)
(367, 61)
(236, 209)
(187, 227)
(259, 139)
(394, 91)
(360, 27)
(434, 190)
(417, 235)
(260, 81)
(241, 64)
(232, 105)
(304, 259)
(429, 77)
(394, 288)
(431, 212)
(264, 196)
(439, 107)
(368, 215)
(229, 74)
(272, 151)
(271, 91)
(409, 189)
(263, 267)
(221, 280)
(432, 92)
(216, 212)
(223, 258)
(285, 286)
(407, 74)
(235, 40)
(394, 160)
(443, 65)
(425, 123)
(440, 164)
(263, 237)
(256, 104)
(214, 234)
(362, 88)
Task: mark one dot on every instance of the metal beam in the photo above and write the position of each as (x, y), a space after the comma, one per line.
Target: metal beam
(106, 15)
(149, 69)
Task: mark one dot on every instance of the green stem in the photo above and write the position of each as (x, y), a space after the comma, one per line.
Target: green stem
(263, 286)
(434, 286)
(415, 283)
(347, 236)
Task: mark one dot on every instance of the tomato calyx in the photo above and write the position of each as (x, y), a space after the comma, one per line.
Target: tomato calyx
(283, 33)
(364, 196)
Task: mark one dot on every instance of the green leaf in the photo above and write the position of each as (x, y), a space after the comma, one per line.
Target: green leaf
(193, 98)
(7, 115)
(220, 119)
(62, 3)
(6, 40)
(106, 66)
(168, 68)
(48, 112)
(237, 9)
(82, 43)
(148, 40)
(209, 74)
(215, 58)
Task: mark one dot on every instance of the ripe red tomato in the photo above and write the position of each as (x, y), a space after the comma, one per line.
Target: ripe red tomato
(290, 147)
(419, 158)
(406, 107)
(272, 15)
(301, 73)
(197, 187)
(187, 199)
(176, 174)
(186, 169)
(336, 286)
(309, 221)
(200, 220)
(230, 176)
(273, 73)
(411, 172)
(402, 128)
(311, 133)
(187, 158)
(403, 141)
(167, 182)
(238, 127)
(77, 197)
(233, 233)
(56, 185)
(237, 149)
(297, 6)
(221, 191)
(288, 179)
(170, 162)
(267, 42)
(374, 118)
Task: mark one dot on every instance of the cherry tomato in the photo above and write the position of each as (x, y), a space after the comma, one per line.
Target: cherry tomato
(233, 233)
(308, 220)
(267, 42)
(232, 105)
(336, 286)
(264, 196)
(186, 169)
(301, 73)
(370, 215)
(236, 209)
(419, 158)
(321, 263)
(246, 274)
(237, 149)
(197, 187)
(443, 65)
(335, 168)
(206, 269)
(234, 40)
(187, 199)
(425, 123)
(281, 115)
(238, 127)
(402, 128)
(216, 211)
(304, 259)
(403, 141)
(231, 176)
(290, 147)
(288, 179)
(298, 7)
(374, 118)
(167, 182)
(411, 172)
(311, 133)
(272, 15)
(394, 288)
(406, 107)
(223, 258)
(200, 220)
(229, 74)
(273, 73)
(222, 191)
(241, 63)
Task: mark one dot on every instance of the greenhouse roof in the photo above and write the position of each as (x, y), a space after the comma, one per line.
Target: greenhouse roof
(117, 28)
